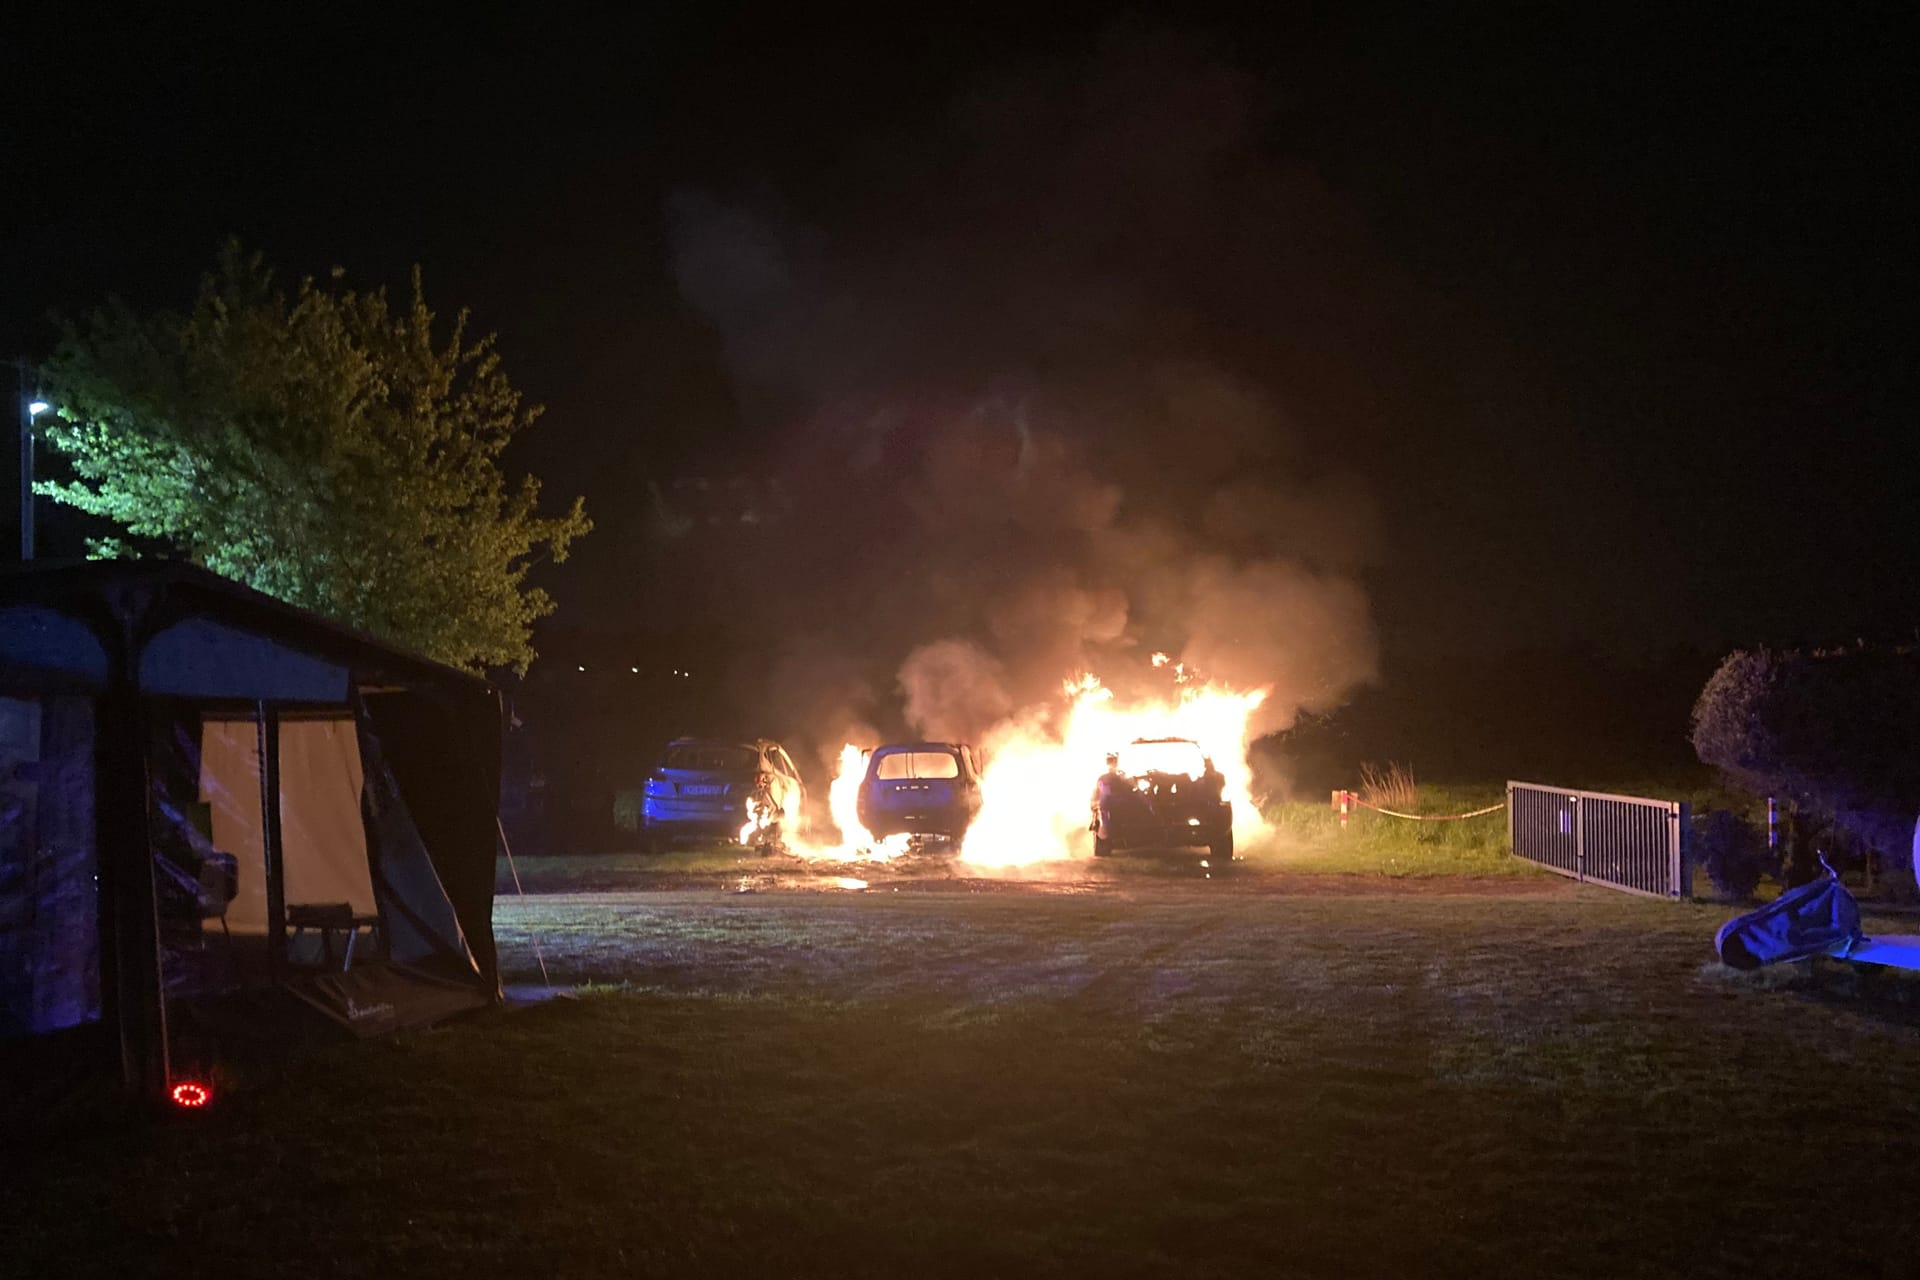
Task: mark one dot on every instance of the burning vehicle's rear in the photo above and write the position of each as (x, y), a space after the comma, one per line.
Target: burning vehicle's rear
(708, 790)
(927, 789)
(1162, 793)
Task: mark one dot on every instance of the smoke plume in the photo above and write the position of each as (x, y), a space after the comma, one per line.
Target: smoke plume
(1029, 398)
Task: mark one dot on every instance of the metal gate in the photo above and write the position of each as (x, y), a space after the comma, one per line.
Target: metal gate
(1625, 842)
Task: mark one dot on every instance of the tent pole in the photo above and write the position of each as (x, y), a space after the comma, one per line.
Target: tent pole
(132, 981)
(267, 722)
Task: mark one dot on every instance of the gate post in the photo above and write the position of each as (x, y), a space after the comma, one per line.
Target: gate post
(1679, 851)
(1579, 841)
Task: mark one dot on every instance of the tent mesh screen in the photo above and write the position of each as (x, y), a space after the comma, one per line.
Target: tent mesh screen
(49, 896)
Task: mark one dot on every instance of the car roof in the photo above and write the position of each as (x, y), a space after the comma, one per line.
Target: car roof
(758, 744)
(1147, 742)
(891, 747)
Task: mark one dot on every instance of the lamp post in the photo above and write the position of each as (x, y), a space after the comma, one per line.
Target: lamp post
(31, 407)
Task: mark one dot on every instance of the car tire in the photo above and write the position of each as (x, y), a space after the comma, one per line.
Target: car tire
(1223, 847)
(1102, 847)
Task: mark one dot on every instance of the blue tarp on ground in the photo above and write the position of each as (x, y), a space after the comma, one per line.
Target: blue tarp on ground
(1816, 919)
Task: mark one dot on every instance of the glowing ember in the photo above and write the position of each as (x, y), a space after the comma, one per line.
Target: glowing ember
(190, 1095)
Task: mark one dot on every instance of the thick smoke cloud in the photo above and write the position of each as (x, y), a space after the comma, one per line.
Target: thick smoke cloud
(1028, 403)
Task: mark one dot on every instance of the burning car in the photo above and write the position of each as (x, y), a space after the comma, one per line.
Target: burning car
(745, 791)
(920, 789)
(1161, 793)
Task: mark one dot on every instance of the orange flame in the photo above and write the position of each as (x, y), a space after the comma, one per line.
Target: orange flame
(856, 843)
(1042, 766)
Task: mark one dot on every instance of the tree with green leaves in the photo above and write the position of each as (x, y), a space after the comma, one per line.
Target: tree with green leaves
(324, 447)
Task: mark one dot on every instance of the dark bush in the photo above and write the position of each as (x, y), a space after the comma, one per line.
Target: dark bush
(1733, 853)
(1836, 733)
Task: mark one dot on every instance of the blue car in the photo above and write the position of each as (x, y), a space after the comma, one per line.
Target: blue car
(706, 789)
(920, 788)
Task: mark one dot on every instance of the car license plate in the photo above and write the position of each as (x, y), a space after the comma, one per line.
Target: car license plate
(701, 791)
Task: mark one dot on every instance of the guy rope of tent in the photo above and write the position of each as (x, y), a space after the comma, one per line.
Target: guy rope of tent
(507, 849)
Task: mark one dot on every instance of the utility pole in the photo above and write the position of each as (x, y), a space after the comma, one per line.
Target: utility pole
(31, 407)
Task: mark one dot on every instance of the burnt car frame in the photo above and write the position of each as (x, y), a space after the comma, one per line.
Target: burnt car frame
(1164, 794)
(710, 788)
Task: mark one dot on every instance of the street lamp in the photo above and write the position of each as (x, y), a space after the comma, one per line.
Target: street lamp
(31, 407)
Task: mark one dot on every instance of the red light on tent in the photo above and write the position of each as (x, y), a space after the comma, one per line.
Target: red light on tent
(191, 1096)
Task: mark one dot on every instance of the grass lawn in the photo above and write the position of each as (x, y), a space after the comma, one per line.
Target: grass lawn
(1307, 837)
(1188, 1081)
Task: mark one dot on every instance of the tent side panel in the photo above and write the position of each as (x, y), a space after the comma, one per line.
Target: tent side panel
(49, 903)
(323, 840)
(444, 752)
(229, 787)
(422, 925)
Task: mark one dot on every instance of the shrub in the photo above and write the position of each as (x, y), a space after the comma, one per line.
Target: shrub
(1733, 853)
(1390, 788)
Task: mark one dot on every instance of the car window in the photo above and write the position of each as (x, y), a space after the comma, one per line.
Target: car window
(712, 756)
(896, 765)
(1163, 757)
(785, 762)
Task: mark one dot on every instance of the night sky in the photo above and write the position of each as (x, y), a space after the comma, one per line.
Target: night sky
(1601, 311)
